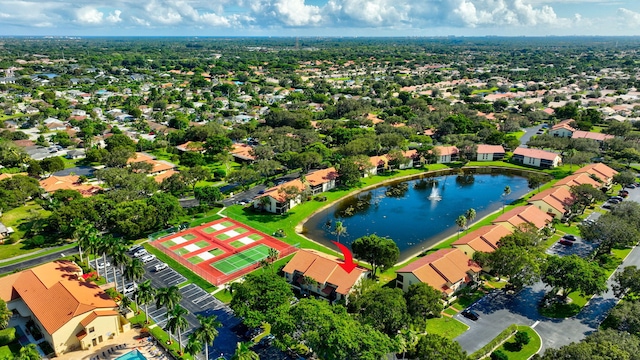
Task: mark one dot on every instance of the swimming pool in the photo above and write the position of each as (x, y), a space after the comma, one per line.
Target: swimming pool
(132, 355)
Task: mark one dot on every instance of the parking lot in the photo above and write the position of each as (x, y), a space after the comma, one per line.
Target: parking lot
(580, 247)
(194, 299)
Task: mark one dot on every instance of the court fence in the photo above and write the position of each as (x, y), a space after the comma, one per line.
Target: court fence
(214, 279)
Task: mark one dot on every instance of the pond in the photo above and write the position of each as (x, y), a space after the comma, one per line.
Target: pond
(417, 213)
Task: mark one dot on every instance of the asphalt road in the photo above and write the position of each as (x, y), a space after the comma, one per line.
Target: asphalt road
(529, 132)
(37, 261)
(250, 194)
(498, 310)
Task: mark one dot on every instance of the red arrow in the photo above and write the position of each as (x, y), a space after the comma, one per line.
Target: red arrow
(348, 264)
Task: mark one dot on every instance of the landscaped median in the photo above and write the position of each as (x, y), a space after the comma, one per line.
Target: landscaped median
(509, 343)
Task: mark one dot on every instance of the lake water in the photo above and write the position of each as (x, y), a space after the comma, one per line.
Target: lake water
(404, 212)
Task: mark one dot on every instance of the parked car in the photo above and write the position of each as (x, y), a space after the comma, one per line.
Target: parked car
(623, 193)
(140, 253)
(570, 237)
(630, 186)
(615, 201)
(608, 205)
(566, 242)
(159, 267)
(470, 314)
(147, 258)
(102, 265)
(130, 288)
(619, 198)
(135, 248)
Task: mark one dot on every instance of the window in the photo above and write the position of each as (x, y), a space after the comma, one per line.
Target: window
(91, 329)
(400, 278)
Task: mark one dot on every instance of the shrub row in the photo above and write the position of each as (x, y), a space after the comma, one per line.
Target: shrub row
(504, 335)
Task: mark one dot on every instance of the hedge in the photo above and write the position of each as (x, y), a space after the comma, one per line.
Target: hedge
(7, 336)
(487, 349)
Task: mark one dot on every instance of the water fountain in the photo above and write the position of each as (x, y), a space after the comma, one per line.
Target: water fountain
(435, 194)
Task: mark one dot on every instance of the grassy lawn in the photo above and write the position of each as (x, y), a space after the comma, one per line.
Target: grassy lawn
(446, 327)
(450, 311)
(223, 296)
(21, 219)
(188, 274)
(464, 301)
(528, 350)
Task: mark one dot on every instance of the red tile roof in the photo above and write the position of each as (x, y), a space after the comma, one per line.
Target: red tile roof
(525, 214)
(578, 179)
(322, 176)
(54, 294)
(579, 134)
(559, 198)
(442, 268)
(602, 171)
(484, 239)
(490, 149)
(536, 153)
(324, 269)
(242, 151)
(277, 192)
(446, 150)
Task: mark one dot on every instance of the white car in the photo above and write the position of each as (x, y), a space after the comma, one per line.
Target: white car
(140, 252)
(130, 289)
(160, 267)
(147, 258)
(102, 265)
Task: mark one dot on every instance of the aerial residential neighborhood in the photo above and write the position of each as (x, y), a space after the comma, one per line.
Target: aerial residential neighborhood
(318, 198)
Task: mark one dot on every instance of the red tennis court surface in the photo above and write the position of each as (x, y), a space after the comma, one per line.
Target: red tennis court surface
(221, 250)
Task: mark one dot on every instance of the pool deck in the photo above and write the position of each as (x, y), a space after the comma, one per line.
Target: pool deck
(116, 347)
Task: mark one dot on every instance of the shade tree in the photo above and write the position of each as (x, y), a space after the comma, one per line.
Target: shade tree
(381, 252)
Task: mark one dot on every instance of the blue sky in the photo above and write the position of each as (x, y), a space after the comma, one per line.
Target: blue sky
(319, 17)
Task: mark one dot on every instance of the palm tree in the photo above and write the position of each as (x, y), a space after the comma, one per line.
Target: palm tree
(461, 221)
(5, 314)
(340, 229)
(29, 352)
(244, 352)
(194, 345)
(470, 215)
(134, 272)
(146, 294)
(118, 258)
(168, 297)
(208, 331)
(81, 231)
(125, 303)
(109, 244)
(505, 193)
(178, 323)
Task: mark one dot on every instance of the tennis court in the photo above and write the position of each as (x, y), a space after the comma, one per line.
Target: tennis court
(221, 250)
(242, 260)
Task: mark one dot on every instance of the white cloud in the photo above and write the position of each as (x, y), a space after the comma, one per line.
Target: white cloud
(297, 13)
(630, 18)
(114, 17)
(369, 12)
(89, 15)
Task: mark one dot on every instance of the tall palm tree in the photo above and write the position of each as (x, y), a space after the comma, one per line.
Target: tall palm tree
(146, 294)
(194, 345)
(81, 231)
(134, 272)
(244, 352)
(93, 248)
(340, 229)
(461, 221)
(208, 331)
(470, 215)
(505, 193)
(168, 297)
(5, 314)
(119, 258)
(178, 323)
(109, 244)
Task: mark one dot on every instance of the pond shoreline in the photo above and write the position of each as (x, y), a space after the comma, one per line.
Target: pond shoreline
(301, 230)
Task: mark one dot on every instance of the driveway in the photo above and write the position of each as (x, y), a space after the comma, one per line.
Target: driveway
(498, 310)
(250, 194)
(528, 133)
